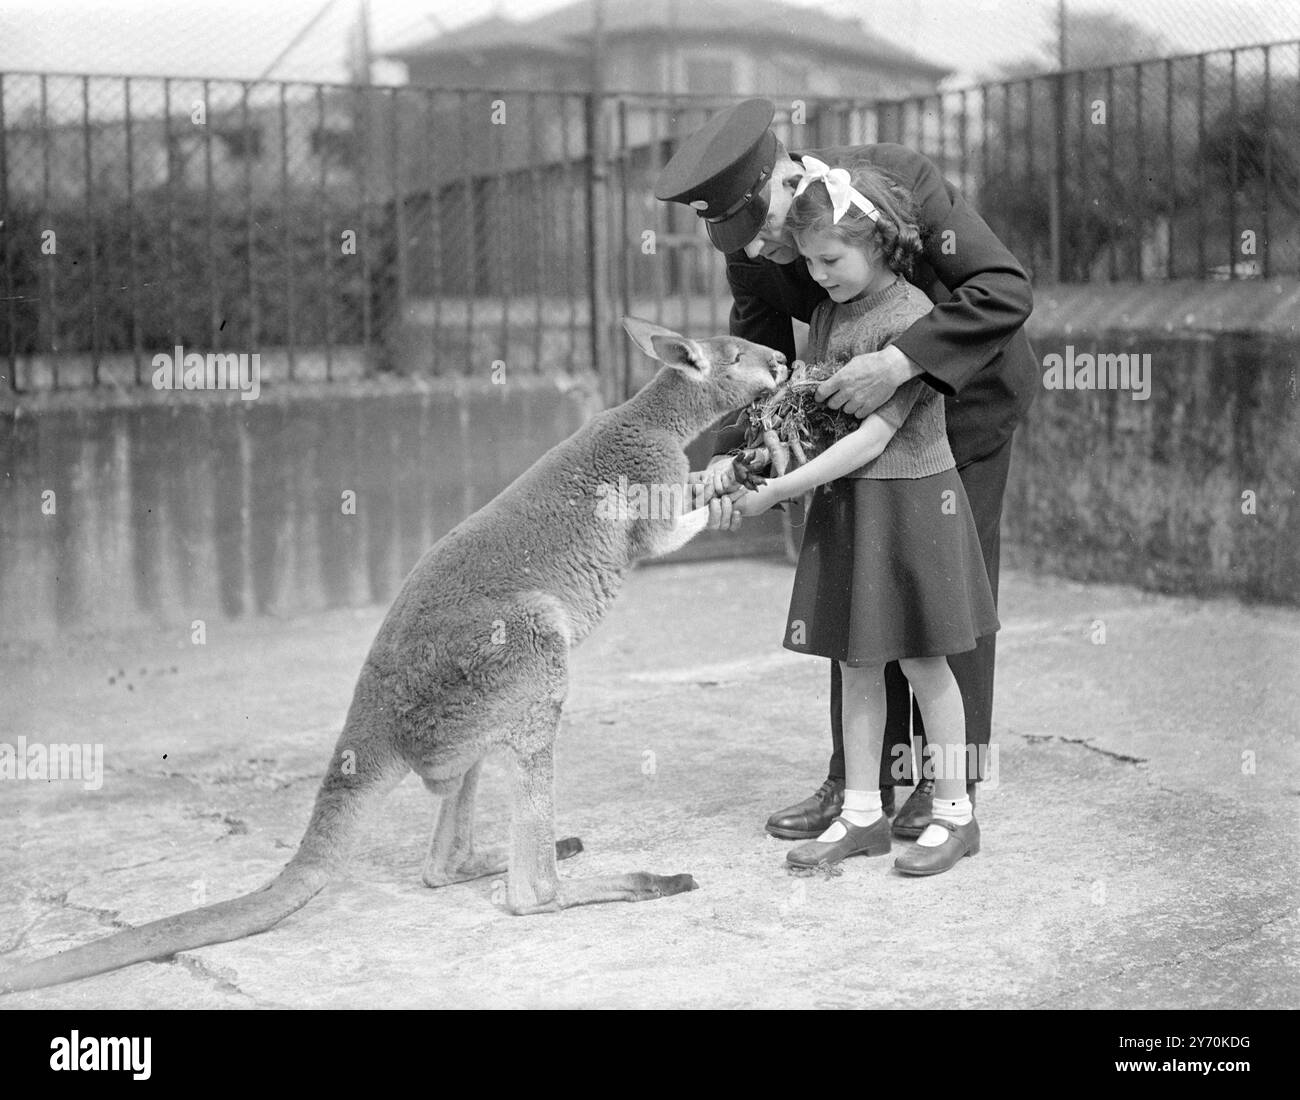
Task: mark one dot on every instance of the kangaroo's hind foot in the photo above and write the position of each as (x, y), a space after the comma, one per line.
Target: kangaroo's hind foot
(452, 856)
(636, 886)
(534, 885)
(489, 861)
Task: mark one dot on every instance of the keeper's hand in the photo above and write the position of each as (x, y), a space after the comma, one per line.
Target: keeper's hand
(867, 381)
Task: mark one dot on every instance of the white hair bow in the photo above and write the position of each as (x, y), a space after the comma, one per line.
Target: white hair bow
(842, 192)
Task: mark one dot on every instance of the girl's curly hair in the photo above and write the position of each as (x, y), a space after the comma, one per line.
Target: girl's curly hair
(898, 231)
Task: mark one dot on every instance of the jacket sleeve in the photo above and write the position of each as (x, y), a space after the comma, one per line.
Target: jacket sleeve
(755, 320)
(989, 295)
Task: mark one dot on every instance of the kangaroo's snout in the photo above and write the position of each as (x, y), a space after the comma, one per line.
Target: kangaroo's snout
(774, 364)
(780, 370)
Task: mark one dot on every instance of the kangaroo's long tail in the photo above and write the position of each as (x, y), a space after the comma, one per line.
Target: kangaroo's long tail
(323, 846)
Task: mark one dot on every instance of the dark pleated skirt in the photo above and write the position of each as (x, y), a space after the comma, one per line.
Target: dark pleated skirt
(890, 569)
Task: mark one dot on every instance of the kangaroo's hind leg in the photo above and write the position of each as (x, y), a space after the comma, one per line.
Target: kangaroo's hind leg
(453, 856)
(534, 885)
(511, 699)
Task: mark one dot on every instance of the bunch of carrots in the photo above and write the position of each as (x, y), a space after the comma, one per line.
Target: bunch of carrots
(790, 426)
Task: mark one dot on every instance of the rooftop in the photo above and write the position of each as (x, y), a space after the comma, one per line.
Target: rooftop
(568, 31)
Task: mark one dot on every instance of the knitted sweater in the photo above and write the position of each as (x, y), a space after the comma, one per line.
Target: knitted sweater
(840, 330)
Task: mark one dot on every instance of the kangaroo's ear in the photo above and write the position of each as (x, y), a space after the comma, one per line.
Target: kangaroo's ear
(642, 333)
(681, 352)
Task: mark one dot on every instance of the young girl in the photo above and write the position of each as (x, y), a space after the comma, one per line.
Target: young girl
(890, 566)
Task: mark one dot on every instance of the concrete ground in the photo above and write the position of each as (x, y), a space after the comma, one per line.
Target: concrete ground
(1139, 847)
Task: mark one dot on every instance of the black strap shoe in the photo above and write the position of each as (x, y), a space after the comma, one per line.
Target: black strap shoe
(964, 840)
(858, 840)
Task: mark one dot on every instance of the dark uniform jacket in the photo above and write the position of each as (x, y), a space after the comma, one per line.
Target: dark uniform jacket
(971, 346)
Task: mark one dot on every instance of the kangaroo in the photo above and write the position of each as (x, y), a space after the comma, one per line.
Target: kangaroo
(473, 657)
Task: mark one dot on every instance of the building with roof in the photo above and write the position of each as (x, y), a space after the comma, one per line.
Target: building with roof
(705, 47)
(537, 70)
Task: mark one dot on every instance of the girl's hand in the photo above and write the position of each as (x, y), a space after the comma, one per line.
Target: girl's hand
(754, 502)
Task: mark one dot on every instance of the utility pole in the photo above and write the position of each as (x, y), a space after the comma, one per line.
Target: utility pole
(363, 16)
(598, 266)
(1056, 185)
(1062, 54)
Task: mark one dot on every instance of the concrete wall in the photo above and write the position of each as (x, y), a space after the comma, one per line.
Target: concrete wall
(169, 508)
(1157, 492)
(175, 507)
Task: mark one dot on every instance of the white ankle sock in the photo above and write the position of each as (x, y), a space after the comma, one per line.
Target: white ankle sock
(860, 808)
(956, 810)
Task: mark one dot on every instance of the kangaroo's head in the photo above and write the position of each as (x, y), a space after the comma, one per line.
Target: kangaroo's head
(728, 371)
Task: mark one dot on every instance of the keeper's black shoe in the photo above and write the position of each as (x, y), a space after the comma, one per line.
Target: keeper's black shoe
(918, 810)
(808, 819)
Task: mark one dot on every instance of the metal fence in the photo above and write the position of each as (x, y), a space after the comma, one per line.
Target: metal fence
(341, 231)
(1183, 167)
(317, 225)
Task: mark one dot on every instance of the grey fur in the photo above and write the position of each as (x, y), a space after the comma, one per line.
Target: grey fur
(473, 657)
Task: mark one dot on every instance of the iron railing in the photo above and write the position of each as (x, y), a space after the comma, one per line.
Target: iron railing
(1182, 167)
(341, 231)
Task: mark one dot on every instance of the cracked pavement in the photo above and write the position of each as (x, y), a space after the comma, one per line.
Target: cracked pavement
(1139, 846)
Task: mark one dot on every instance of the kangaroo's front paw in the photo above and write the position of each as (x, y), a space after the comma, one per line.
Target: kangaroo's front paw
(649, 887)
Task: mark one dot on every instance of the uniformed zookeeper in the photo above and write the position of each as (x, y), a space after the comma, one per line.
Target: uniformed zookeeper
(971, 347)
